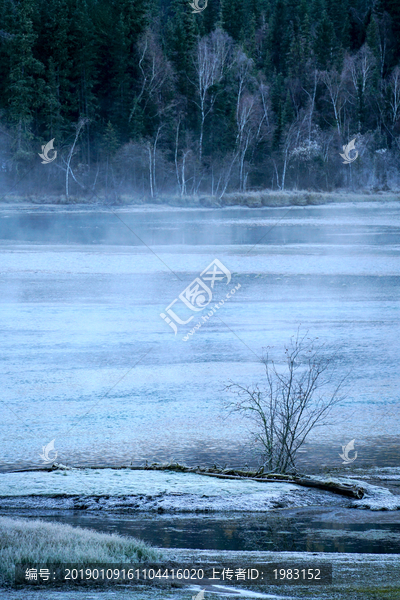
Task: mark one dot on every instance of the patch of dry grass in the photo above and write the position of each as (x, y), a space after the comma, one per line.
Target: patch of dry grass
(255, 199)
(40, 542)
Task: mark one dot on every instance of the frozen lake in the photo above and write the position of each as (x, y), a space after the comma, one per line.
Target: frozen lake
(87, 360)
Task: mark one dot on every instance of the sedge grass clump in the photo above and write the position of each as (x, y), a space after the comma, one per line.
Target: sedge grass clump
(39, 542)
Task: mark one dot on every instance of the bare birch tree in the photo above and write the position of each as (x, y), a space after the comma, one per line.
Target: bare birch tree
(385, 32)
(361, 68)
(246, 132)
(334, 83)
(251, 112)
(155, 74)
(311, 100)
(81, 123)
(264, 127)
(388, 103)
(290, 141)
(394, 96)
(211, 62)
(294, 401)
(245, 105)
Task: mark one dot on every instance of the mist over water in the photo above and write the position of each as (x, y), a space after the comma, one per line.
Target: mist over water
(81, 297)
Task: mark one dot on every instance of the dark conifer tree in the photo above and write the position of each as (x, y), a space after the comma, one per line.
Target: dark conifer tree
(22, 87)
(325, 43)
(65, 60)
(181, 35)
(54, 46)
(278, 40)
(338, 11)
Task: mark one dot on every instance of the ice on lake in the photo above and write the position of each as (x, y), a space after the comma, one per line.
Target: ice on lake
(88, 361)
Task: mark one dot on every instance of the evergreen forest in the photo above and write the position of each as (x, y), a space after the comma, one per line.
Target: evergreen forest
(151, 97)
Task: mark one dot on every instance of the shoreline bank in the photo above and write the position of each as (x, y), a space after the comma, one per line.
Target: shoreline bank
(257, 199)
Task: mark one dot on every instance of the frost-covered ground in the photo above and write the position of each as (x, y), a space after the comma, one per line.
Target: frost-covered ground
(141, 593)
(363, 577)
(88, 361)
(377, 473)
(164, 491)
(148, 490)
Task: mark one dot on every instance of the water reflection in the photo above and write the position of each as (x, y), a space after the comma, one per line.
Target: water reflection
(275, 531)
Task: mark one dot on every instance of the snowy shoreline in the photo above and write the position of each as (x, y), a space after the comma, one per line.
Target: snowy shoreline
(253, 200)
(126, 490)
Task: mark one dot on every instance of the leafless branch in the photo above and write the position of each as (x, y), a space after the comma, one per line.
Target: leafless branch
(294, 401)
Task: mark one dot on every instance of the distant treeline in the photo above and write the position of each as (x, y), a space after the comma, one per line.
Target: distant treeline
(145, 97)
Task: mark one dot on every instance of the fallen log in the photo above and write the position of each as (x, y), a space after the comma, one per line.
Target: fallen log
(344, 489)
(336, 487)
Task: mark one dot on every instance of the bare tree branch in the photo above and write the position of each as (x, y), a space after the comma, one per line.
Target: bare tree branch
(294, 401)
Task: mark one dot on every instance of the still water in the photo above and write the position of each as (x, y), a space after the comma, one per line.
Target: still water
(288, 531)
(87, 360)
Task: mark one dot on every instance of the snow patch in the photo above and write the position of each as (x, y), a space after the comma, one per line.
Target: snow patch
(224, 590)
(129, 490)
(375, 498)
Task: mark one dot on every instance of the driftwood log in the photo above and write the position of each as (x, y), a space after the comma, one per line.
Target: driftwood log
(344, 489)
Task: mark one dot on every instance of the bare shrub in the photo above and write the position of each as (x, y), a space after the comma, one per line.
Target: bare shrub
(295, 400)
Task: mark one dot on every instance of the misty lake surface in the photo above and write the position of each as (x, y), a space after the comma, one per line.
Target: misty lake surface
(87, 360)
